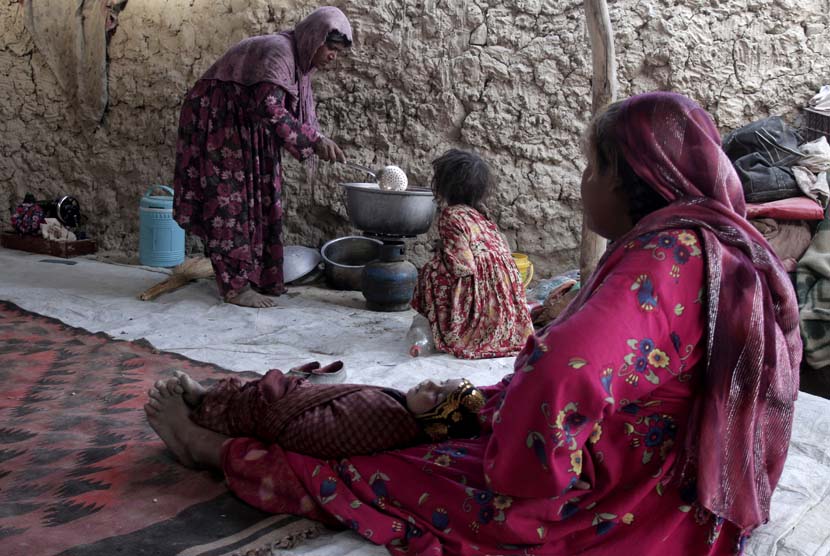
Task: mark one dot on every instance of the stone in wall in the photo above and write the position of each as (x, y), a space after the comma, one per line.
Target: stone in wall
(509, 80)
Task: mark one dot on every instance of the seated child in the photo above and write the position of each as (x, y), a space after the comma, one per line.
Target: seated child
(329, 420)
(470, 291)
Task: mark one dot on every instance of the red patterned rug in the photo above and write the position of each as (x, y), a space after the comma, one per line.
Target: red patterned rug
(82, 473)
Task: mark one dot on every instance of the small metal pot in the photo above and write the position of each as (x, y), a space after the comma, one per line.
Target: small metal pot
(345, 258)
(396, 213)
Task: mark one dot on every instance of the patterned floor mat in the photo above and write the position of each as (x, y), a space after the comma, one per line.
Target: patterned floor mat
(82, 473)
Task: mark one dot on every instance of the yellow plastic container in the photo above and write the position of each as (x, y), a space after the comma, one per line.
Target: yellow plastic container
(525, 267)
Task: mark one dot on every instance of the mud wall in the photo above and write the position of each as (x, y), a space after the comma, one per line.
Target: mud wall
(512, 82)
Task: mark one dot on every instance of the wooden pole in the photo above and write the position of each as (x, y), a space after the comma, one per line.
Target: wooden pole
(603, 91)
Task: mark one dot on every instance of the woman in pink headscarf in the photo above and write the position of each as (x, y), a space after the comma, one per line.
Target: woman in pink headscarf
(253, 102)
(652, 418)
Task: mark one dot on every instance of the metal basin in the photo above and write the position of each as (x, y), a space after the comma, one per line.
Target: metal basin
(396, 213)
(345, 258)
(297, 261)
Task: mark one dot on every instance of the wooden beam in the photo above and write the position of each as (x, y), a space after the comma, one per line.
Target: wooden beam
(603, 91)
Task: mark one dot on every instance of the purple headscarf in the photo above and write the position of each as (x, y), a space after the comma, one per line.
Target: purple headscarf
(741, 420)
(283, 59)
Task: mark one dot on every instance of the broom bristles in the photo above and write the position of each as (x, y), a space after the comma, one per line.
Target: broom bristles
(188, 271)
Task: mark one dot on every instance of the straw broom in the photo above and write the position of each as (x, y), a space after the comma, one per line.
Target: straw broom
(188, 271)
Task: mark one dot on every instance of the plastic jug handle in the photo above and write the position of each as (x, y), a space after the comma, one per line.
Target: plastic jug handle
(529, 275)
(164, 187)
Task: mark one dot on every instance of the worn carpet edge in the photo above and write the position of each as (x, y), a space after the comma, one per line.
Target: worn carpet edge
(296, 534)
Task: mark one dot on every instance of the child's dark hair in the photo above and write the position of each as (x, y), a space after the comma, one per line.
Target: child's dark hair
(338, 38)
(461, 178)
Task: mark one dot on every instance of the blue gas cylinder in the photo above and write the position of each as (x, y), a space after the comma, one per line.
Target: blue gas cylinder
(388, 283)
(161, 239)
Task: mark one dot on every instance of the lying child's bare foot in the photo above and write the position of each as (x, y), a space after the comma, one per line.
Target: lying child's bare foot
(167, 387)
(192, 445)
(193, 392)
(250, 298)
(170, 418)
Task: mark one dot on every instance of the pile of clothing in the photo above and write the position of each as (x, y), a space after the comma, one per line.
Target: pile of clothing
(784, 181)
(786, 188)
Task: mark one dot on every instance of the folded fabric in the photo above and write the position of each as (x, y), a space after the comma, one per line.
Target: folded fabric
(811, 170)
(821, 101)
(816, 155)
(52, 229)
(812, 287)
(555, 303)
(794, 208)
(544, 288)
(560, 292)
(789, 238)
(812, 185)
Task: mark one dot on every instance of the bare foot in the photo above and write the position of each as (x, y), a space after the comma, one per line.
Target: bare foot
(192, 391)
(166, 387)
(250, 298)
(169, 417)
(271, 292)
(193, 446)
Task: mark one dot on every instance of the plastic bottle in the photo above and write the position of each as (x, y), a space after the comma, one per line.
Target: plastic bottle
(419, 337)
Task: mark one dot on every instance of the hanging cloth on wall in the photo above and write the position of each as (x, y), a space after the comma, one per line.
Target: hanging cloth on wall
(72, 36)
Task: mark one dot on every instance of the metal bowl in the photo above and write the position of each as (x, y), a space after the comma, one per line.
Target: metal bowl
(298, 261)
(396, 213)
(345, 258)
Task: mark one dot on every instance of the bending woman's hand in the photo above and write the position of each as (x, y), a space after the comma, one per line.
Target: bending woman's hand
(328, 150)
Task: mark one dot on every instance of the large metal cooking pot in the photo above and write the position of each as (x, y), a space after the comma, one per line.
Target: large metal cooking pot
(345, 258)
(397, 213)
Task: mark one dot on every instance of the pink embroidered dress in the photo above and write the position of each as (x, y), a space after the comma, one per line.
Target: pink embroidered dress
(667, 387)
(470, 291)
(603, 396)
(235, 121)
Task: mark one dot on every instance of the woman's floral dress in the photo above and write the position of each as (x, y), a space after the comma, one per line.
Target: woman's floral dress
(604, 397)
(471, 291)
(228, 178)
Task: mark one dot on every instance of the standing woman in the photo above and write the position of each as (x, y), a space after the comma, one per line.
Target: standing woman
(235, 121)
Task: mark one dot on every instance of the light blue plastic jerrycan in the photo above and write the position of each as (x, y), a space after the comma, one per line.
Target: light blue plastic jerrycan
(161, 239)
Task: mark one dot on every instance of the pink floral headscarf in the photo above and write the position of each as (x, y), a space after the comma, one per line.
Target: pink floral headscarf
(283, 59)
(741, 420)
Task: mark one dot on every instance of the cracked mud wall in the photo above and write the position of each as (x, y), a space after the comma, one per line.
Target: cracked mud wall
(510, 80)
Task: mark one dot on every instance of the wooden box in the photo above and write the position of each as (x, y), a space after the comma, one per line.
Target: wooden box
(37, 244)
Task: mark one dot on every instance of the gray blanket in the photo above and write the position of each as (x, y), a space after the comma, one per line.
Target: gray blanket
(813, 291)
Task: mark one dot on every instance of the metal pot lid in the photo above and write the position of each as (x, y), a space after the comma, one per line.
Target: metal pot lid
(298, 261)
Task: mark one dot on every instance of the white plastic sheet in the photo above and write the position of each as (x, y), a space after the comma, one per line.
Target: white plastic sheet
(313, 323)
